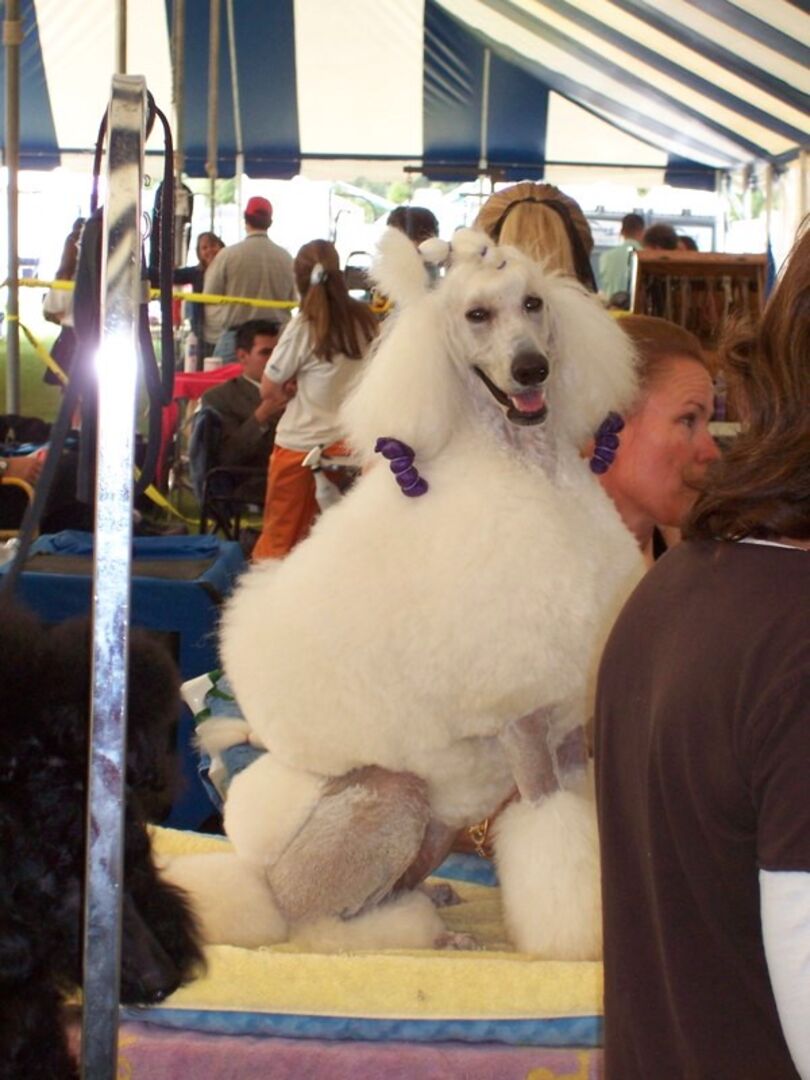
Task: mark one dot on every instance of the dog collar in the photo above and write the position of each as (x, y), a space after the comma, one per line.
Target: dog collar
(400, 461)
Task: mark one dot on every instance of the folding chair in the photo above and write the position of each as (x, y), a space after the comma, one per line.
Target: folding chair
(229, 495)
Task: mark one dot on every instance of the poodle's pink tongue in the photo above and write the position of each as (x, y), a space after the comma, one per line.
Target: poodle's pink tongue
(530, 401)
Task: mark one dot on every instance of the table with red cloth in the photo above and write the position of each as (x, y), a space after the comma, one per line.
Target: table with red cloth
(188, 386)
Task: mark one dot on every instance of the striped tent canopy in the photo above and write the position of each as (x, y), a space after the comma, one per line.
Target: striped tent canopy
(516, 88)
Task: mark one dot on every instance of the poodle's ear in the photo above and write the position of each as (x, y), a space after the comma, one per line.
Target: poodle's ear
(410, 390)
(599, 375)
(398, 269)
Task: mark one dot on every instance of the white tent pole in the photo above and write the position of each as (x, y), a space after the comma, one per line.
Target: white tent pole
(237, 107)
(121, 38)
(213, 102)
(483, 158)
(182, 204)
(721, 186)
(768, 203)
(179, 71)
(12, 39)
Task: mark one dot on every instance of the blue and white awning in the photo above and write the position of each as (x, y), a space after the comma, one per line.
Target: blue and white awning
(453, 87)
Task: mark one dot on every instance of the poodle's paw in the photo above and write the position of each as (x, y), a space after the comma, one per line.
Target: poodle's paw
(451, 939)
(441, 894)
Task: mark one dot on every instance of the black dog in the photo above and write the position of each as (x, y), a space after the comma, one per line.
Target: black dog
(44, 711)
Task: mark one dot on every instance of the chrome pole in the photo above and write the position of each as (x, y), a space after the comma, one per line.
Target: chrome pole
(116, 366)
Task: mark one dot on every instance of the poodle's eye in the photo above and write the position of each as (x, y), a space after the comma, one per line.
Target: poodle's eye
(532, 303)
(478, 315)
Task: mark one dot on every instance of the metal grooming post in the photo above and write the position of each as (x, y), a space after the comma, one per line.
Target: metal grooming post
(116, 366)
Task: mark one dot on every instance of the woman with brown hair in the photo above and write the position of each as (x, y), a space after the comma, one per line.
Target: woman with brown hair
(665, 445)
(703, 750)
(321, 349)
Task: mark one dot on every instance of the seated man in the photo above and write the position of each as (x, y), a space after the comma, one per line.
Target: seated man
(248, 423)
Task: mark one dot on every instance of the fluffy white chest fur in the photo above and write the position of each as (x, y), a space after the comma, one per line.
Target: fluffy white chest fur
(407, 632)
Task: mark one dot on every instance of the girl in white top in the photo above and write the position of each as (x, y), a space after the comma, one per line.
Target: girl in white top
(322, 349)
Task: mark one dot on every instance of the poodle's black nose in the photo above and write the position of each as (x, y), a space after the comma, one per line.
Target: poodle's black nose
(530, 368)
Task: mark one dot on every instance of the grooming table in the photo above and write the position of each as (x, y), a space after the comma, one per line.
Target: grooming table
(278, 1012)
(178, 584)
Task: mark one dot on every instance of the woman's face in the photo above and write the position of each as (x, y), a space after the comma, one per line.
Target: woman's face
(665, 448)
(207, 249)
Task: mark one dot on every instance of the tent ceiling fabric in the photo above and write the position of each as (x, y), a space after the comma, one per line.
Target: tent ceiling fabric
(515, 86)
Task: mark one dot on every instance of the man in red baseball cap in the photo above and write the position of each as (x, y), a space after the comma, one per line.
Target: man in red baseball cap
(256, 267)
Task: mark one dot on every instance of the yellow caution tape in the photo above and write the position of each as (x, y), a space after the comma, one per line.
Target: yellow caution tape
(189, 297)
(40, 350)
(159, 499)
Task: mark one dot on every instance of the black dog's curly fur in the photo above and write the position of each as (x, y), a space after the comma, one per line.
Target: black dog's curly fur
(44, 712)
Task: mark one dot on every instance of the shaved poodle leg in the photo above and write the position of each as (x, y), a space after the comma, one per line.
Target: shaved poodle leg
(526, 745)
(436, 843)
(538, 769)
(572, 754)
(362, 836)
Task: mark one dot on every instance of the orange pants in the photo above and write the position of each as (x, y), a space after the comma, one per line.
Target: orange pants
(290, 506)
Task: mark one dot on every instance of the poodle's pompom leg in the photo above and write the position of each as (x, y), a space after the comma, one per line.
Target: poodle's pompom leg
(360, 839)
(267, 804)
(409, 921)
(547, 856)
(230, 898)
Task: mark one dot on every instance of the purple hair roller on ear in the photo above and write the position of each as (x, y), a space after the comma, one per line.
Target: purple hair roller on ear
(400, 461)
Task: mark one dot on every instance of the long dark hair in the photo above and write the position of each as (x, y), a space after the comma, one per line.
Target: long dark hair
(762, 486)
(338, 322)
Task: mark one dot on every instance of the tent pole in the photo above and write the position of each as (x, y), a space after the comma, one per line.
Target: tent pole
(121, 38)
(213, 102)
(483, 156)
(237, 107)
(12, 39)
(179, 65)
(182, 207)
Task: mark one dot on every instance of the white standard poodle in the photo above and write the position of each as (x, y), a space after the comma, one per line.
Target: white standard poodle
(428, 650)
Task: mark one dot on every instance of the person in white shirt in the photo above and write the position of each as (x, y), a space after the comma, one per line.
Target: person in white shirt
(322, 349)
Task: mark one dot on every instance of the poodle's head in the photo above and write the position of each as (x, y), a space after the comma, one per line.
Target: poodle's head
(499, 336)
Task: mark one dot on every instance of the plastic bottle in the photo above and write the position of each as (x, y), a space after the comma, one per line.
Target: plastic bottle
(191, 357)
